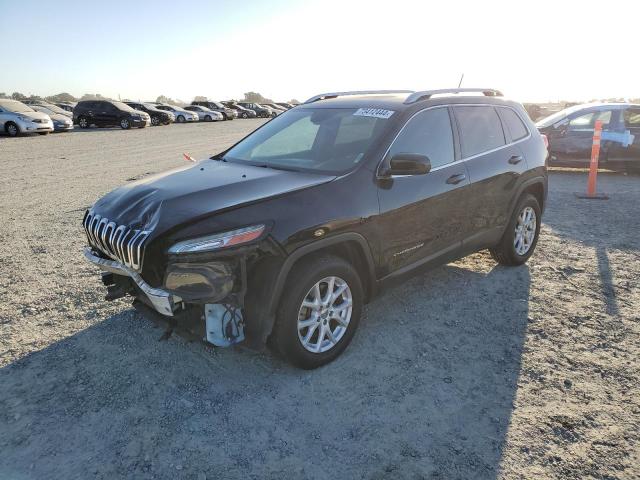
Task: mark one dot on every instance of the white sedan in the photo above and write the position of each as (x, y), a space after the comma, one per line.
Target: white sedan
(205, 114)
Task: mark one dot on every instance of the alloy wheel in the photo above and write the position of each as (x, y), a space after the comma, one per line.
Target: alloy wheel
(323, 317)
(525, 231)
(124, 123)
(12, 130)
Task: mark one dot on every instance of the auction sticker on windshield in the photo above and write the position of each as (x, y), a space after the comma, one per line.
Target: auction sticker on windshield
(373, 112)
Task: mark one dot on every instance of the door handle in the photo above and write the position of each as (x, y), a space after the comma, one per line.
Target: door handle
(516, 159)
(455, 179)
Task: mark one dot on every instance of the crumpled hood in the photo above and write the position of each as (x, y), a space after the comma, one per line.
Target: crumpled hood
(182, 195)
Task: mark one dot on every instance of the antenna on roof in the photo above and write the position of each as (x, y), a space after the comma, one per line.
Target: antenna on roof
(460, 82)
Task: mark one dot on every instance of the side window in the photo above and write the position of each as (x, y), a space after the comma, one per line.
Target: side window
(428, 133)
(514, 123)
(480, 129)
(587, 122)
(632, 118)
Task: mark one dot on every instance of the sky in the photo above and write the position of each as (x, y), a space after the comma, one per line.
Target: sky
(139, 49)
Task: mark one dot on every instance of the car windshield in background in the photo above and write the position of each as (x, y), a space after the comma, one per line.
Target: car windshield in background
(56, 109)
(327, 140)
(556, 117)
(15, 106)
(123, 106)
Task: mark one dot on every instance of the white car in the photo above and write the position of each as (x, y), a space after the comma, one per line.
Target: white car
(17, 118)
(205, 114)
(61, 122)
(181, 114)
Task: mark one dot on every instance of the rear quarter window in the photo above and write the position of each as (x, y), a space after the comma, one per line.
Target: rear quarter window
(514, 124)
(480, 129)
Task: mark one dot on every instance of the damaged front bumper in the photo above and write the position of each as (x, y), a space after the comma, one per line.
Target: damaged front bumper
(163, 301)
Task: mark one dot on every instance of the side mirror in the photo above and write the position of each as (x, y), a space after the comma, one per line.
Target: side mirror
(408, 164)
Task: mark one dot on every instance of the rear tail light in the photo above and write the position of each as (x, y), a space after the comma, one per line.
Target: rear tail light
(545, 140)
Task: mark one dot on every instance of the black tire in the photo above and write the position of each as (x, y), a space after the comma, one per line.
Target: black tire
(180, 119)
(155, 121)
(505, 252)
(83, 122)
(207, 118)
(11, 129)
(43, 133)
(125, 124)
(244, 115)
(303, 276)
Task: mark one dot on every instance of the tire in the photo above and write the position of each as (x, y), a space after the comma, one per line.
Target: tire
(288, 336)
(43, 133)
(244, 115)
(83, 122)
(180, 119)
(511, 250)
(155, 121)
(207, 118)
(125, 124)
(12, 129)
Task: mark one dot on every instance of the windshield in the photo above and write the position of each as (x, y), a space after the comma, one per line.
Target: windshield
(556, 117)
(327, 140)
(218, 105)
(123, 106)
(55, 109)
(15, 106)
(42, 109)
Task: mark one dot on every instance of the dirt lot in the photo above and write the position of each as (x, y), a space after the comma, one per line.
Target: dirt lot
(469, 371)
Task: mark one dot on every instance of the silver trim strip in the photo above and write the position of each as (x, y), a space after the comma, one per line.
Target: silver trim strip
(426, 94)
(162, 300)
(323, 96)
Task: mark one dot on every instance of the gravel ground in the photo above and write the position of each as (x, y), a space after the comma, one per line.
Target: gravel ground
(469, 371)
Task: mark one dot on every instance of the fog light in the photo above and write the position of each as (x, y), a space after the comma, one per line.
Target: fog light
(209, 282)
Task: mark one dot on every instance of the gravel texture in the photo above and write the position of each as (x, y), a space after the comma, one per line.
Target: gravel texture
(469, 371)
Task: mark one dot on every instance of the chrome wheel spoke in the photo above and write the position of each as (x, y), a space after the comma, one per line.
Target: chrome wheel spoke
(525, 231)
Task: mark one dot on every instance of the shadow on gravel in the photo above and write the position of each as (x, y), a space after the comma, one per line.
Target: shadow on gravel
(426, 390)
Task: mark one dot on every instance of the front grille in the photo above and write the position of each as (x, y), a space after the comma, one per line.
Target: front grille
(118, 242)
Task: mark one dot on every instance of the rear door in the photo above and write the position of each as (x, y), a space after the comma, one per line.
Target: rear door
(422, 216)
(494, 162)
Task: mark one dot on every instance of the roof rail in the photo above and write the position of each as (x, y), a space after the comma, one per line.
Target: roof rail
(426, 94)
(324, 96)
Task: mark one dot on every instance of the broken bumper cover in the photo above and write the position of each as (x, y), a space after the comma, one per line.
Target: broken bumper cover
(161, 300)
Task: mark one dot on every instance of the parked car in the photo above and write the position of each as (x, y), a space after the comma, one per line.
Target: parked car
(570, 134)
(158, 116)
(272, 111)
(288, 233)
(227, 113)
(260, 110)
(241, 111)
(49, 106)
(68, 106)
(180, 113)
(205, 114)
(273, 106)
(108, 113)
(288, 106)
(61, 122)
(17, 118)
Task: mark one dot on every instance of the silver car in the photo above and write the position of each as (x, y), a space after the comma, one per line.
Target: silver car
(205, 114)
(181, 114)
(17, 118)
(62, 122)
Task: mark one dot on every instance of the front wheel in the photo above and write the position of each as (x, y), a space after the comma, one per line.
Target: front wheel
(244, 115)
(207, 118)
(520, 239)
(155, 120)
(12, 129)
(319, 311)
(125, 124)
(180, 119)
(83, 122)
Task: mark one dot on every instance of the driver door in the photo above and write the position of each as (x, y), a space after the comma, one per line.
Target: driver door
(423, 217)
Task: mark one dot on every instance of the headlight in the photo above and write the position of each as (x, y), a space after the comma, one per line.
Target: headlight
(219, 240)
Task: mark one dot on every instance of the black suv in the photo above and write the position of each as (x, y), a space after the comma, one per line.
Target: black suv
(259, 109)
(227, 113)
(158, 117)
(108, 113)
(284, 236)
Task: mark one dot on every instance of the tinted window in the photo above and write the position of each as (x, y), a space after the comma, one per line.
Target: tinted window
(514, 124)
(632, 117)
(480, 129)
(428, 133)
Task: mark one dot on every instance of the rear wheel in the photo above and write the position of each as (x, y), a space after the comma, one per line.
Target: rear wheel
(125, 124)
(244, 115)
(12, 129)
(520, 239)
(319, 311)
